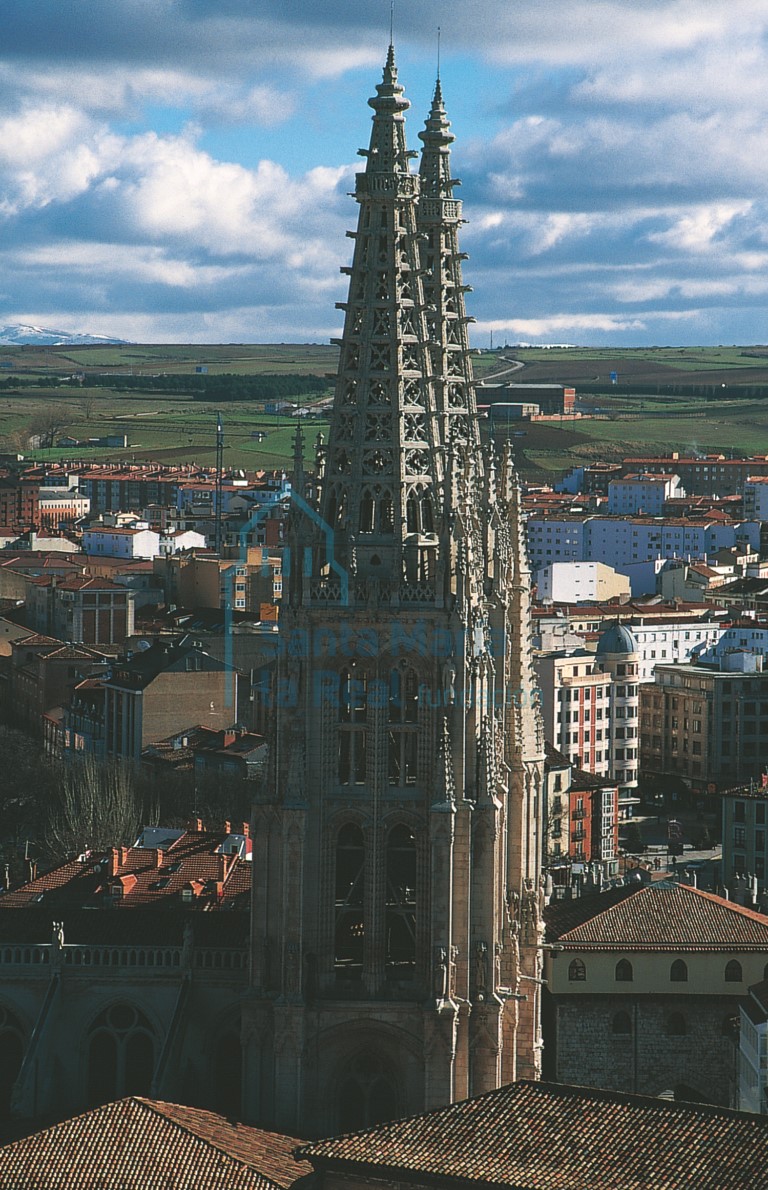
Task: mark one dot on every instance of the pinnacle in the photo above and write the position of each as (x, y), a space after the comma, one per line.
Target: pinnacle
(389, 93)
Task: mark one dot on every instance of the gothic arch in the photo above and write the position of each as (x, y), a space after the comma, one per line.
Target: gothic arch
(223, 1055)
(366, 1092)
(368, 1050)
(12, 1047)
(120, 1052)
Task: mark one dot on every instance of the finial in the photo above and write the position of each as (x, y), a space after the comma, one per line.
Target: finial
(391, 23)
(438, 55)
(298, 458)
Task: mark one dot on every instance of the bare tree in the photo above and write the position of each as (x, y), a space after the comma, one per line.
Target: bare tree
(87, 404)
(97, 805)
(47, 422)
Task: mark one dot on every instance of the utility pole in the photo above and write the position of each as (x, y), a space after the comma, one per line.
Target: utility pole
(219, 479)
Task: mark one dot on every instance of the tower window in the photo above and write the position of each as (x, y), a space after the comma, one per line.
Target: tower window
(349, 902)
(403, 696)
(400, 923)
(366, 512)
(352, 742)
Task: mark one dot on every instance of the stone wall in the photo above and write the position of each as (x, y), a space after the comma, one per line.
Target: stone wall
(645, 1051)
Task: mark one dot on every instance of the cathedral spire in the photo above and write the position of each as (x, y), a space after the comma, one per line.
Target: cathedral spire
(439, 218)
(400, 818)
(384, 472)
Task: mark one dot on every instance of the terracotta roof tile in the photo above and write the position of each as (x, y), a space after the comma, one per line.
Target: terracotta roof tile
(137, 1144)
(545, 1136)
(191, 861)
(661, 916)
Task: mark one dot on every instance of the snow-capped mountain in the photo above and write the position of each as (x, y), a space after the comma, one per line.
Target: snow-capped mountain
(17, 335)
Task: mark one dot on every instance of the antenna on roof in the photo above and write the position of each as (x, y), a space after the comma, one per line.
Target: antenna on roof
(391, 22)
(438, 53)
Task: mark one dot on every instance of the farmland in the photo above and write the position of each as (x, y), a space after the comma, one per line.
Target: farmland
(717, 402)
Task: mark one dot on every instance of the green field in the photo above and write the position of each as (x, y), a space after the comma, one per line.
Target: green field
(176, 427)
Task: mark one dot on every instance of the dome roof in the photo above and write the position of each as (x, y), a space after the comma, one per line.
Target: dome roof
(617, 639)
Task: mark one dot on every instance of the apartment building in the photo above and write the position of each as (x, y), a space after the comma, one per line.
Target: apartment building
(707, 724)
(641, 493)
(622, 542)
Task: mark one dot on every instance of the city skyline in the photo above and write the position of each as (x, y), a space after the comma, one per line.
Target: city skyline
(180, 172)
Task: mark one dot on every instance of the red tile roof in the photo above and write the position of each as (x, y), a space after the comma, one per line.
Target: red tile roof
(139, 1144)
(659, 917)
(545, 1136)
(217, 881)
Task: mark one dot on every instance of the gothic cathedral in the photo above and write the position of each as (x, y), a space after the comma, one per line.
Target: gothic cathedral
(396, 946)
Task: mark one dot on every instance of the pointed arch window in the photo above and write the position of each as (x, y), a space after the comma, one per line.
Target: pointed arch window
(376, 510)
(366, 1095)
(349, 903)
(386, 513)
(733, 971)
(678, 972)
(352, 740)
(577, 971)
(11, 1055)
(624, 972)
(226, 1081)
(367, 511)
(403, 695)
(403, 740)
(400, 915)
(412, 513)
(121, 1054)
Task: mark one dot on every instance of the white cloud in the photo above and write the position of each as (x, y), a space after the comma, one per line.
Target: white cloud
(695, 231)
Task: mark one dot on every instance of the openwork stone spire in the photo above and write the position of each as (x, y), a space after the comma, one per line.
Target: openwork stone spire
(439, 218)
(382, 484)
(396, 840)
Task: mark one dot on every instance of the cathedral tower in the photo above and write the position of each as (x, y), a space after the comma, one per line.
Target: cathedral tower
(396, 915)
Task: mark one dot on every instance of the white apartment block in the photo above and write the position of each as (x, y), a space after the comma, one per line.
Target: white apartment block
(640, 493)
(576, 582)
(665, 642)
(620, 542)
(112, 541)
(756, 497)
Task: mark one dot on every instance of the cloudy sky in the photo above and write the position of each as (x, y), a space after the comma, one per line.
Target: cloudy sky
(177, 170)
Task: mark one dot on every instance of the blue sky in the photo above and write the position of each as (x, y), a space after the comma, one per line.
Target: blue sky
(178, 170)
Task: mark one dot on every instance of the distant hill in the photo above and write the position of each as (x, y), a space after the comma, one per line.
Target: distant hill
(18, 335)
